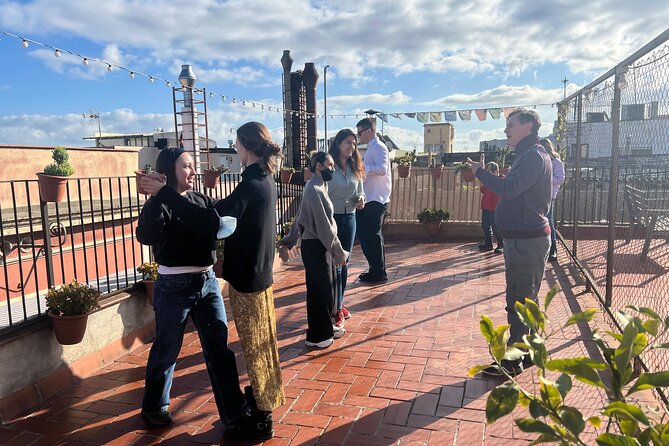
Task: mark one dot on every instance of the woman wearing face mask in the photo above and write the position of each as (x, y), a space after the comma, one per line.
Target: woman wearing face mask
(346, 193)
(186, 286)
(321, 252)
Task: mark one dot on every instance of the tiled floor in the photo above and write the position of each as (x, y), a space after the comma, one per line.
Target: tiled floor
(398, 376)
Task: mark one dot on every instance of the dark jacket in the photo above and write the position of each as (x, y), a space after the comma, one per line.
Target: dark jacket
(249, 251)
(175, 241)
(525, 193)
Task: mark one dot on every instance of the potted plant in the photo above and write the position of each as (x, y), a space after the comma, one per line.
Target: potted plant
(218, 266)
(307, 173)
(432, 218)
(435, 168)
(465, 171)
(149, 272)
(212, 175)
(287, 174)
(404, 163)
(502, 154)
(53, 181)
(139, 174)
(69, 306)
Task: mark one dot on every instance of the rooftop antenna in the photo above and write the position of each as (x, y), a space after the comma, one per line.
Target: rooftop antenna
(94, 116)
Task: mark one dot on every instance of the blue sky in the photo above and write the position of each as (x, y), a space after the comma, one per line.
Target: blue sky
(397, 57)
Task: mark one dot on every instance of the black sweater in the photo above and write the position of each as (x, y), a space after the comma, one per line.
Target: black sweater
(175, 241)
(249, 251)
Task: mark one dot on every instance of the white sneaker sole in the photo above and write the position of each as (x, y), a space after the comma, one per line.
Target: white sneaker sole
(322, 344)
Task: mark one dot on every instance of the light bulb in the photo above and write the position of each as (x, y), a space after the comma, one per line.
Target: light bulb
(223, 98)
(110, 68)
(151, 79)
(168, 84)
(243, 102)
(211, 95)
(24, 43)
(56, 53)
(132, 75)
(85, 61)
(234, 101)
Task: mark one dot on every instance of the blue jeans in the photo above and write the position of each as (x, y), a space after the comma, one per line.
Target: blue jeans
(489, 228)
(177, 296)
(551, 222)
(346, 235)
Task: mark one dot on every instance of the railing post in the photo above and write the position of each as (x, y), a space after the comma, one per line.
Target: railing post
(46, 234)
(577, 173)
(613, 185)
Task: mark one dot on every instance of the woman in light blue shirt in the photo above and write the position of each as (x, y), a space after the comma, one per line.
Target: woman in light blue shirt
(346, 193)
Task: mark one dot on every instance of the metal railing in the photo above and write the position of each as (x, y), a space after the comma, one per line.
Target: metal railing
(421, 190)
(90, 237)
(613, 210)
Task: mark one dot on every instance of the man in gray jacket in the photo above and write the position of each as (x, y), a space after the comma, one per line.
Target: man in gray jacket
(525, 196)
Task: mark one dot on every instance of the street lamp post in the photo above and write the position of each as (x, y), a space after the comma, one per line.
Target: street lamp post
(325, 103)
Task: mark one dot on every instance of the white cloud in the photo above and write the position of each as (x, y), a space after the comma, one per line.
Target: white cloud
(396, 98)
(414, 35)
(504, 95)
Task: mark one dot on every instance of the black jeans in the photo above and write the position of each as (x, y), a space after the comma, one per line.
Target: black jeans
(319, 274)
(489, 228)
(369, 227)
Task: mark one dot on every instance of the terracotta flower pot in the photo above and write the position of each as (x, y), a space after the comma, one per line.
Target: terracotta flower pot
(403, 171)
(148, 287)
(69, 330)
(467, 175)
(432, 227)
(211, 178)
(307, 174)
(52, 188)
(436, 172)
(139, 174)
(286, 176)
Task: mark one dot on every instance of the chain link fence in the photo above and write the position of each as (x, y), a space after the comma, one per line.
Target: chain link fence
(613, 209)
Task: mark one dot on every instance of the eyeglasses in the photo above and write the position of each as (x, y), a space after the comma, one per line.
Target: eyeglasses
(363, 131)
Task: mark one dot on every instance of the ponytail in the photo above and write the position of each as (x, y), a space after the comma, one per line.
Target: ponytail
(256, 138)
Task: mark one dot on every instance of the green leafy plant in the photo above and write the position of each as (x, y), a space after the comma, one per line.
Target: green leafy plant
(551, 419)
(148, 270)
(501, 156)
(430, 215)
(217, 169)
(408, 159)
(60, 167)
(220, 249)
(72, 299)
(459, 167)
(285, 229)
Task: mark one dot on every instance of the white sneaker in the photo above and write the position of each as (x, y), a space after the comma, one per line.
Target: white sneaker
(322, 344)
(338, 331)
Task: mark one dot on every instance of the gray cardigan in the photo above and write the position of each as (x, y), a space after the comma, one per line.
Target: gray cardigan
(315, 221)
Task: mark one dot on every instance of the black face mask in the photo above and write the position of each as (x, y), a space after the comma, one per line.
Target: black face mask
(327, 174)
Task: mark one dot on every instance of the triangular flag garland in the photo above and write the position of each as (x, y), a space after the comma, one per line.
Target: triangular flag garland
(423, 117)
(495, 112)
(481, 113)
(465, 115)
(450, 116)
(435, 117)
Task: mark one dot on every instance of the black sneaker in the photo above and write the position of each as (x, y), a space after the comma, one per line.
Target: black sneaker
(484, 247)
(511, 368)
(160, 418)
(373, 278)
(261, 420)
(499, 250)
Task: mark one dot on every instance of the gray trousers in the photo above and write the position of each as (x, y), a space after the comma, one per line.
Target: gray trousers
(525, 260)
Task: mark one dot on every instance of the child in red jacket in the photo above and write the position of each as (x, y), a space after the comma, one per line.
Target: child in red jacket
(489, 201)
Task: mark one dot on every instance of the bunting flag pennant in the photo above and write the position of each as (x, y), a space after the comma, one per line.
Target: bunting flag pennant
(410, 115)
(423, 117)
(481, 113)
(395, 115)
(435, 116)
(465, 115)
(507, 111)
(495, 112)
(451, 116)
(383, 117)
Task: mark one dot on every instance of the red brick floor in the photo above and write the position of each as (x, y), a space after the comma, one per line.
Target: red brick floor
(398, 376)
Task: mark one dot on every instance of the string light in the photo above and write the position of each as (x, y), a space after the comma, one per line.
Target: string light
(110, 68)
(132, 75)
(56, 53)
(85, 61)
(168, 84)
(151, 79)
(24, 43)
